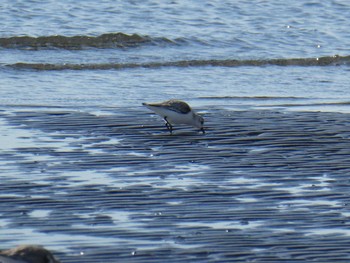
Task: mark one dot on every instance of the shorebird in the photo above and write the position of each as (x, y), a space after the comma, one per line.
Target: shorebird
(176, 112)
(27, 254)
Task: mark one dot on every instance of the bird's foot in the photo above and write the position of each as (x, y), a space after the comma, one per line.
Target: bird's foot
(168, 125)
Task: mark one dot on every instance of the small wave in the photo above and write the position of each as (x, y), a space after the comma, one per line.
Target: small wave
(322, 61)
(264, 98)
(110, 40)
(316, 104)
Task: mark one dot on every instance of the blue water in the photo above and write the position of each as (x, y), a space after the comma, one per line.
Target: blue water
(247, 29)
(199, 30)
(314, 88)
(191, 30)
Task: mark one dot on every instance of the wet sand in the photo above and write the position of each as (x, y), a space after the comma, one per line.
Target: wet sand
(259, 186)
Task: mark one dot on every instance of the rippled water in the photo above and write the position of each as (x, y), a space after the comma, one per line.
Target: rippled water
(88, 172)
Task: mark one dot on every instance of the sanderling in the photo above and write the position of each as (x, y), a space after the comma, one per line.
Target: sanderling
(176, 112)
(27, 254)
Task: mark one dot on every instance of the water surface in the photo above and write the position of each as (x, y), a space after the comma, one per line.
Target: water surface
(89, 173)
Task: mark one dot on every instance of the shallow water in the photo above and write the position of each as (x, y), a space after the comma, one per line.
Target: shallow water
(292, 88)
(89, 173)
(96, 187)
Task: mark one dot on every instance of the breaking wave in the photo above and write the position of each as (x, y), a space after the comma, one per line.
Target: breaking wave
(122, 40)
(321, 61)
(110, 40)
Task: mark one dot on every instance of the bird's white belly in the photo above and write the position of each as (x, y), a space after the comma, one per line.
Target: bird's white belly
(174, 117)
(178, 118)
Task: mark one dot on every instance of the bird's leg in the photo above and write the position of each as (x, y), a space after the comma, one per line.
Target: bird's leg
(202, 130)
(168, 125)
